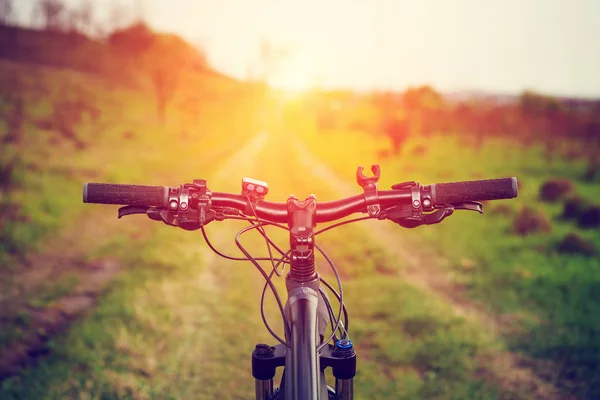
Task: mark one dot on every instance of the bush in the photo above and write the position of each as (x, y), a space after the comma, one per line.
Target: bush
(574, 207)
(592, 172)
(132, 40)
(590, 217)
(554, 189)
(500, 209)
(530, 221)
(572, 243)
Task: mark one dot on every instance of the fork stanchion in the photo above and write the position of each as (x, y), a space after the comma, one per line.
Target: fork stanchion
(263, 389)
(344, 388)
(265, 360)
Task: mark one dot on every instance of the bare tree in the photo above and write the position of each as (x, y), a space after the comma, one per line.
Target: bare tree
(52, 14)
(86, 15)
(271, 58)
(165, 61)
(118, 16)
(140, 10)
(5, 11)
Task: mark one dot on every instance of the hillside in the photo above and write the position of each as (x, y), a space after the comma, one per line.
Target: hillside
(76, 51)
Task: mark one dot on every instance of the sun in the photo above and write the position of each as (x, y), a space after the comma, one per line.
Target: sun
(292, 75)
(290, 80)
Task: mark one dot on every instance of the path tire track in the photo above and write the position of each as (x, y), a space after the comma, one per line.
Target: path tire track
(95, 277)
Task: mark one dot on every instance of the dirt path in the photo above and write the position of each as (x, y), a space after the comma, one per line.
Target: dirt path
(65, 254)
(506, 369)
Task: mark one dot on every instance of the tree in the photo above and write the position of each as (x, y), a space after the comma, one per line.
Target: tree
(118, 16)
(52, 13)
(132, 41)
(165, 61)
(397, 131)
(5, 11)
(163, 58)
(86, 15)
(423, 97)
(421, 104)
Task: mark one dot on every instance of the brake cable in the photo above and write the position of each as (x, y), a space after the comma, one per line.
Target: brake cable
(264, 274)
(337, 277)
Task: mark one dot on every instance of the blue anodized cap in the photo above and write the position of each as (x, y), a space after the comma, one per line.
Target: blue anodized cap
(344, 344)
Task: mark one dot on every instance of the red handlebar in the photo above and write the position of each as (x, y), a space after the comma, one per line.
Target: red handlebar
(326, 211)
(422, 198)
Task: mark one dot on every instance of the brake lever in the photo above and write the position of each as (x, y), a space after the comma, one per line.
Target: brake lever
(130, 210)
(469, 206)
(165, 216)
(190, 221)
(404, 217)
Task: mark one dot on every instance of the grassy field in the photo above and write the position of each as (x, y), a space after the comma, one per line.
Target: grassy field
(177, 321)
(549, 299)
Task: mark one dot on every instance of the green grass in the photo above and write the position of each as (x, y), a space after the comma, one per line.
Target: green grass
(182, 322)
(553, 298)
(63, 286)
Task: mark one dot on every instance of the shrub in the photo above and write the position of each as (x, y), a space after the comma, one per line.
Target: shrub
(592, 171)
(134, 39)
(572, 243)
(530, 221)
(574, 207)
(590, 217)
(500, 209)
(554, 189)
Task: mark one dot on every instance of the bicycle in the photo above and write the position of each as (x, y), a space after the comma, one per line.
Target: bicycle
(304, 353)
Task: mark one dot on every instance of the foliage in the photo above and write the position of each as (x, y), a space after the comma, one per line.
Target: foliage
(531, 221)
(133, 40)
(555, 189)
(574, 207)
(573, 243)
(162, 57)
(531, 103)
(590, 217)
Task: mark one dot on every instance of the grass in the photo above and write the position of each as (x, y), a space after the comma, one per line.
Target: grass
(516, 276)
(184, 325)
(180, 322)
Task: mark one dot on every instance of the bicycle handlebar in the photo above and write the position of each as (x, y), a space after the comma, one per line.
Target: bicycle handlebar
(131, 195)
(460, 192)
(438, 194)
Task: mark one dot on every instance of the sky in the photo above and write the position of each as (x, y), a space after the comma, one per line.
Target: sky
(454, 45)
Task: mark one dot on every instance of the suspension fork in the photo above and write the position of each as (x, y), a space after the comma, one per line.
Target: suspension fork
(307, 315)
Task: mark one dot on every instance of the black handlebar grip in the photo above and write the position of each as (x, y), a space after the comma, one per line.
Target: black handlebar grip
(134, 195)
(459, 192)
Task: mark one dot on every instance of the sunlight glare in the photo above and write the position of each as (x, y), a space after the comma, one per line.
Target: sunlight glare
(294, 74)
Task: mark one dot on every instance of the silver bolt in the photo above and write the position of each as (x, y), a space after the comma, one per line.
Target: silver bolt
(183, 205)
(416, 203)
(173, 205)
(427, 202)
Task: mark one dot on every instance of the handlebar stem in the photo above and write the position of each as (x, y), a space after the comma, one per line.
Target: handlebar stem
(301, 220)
